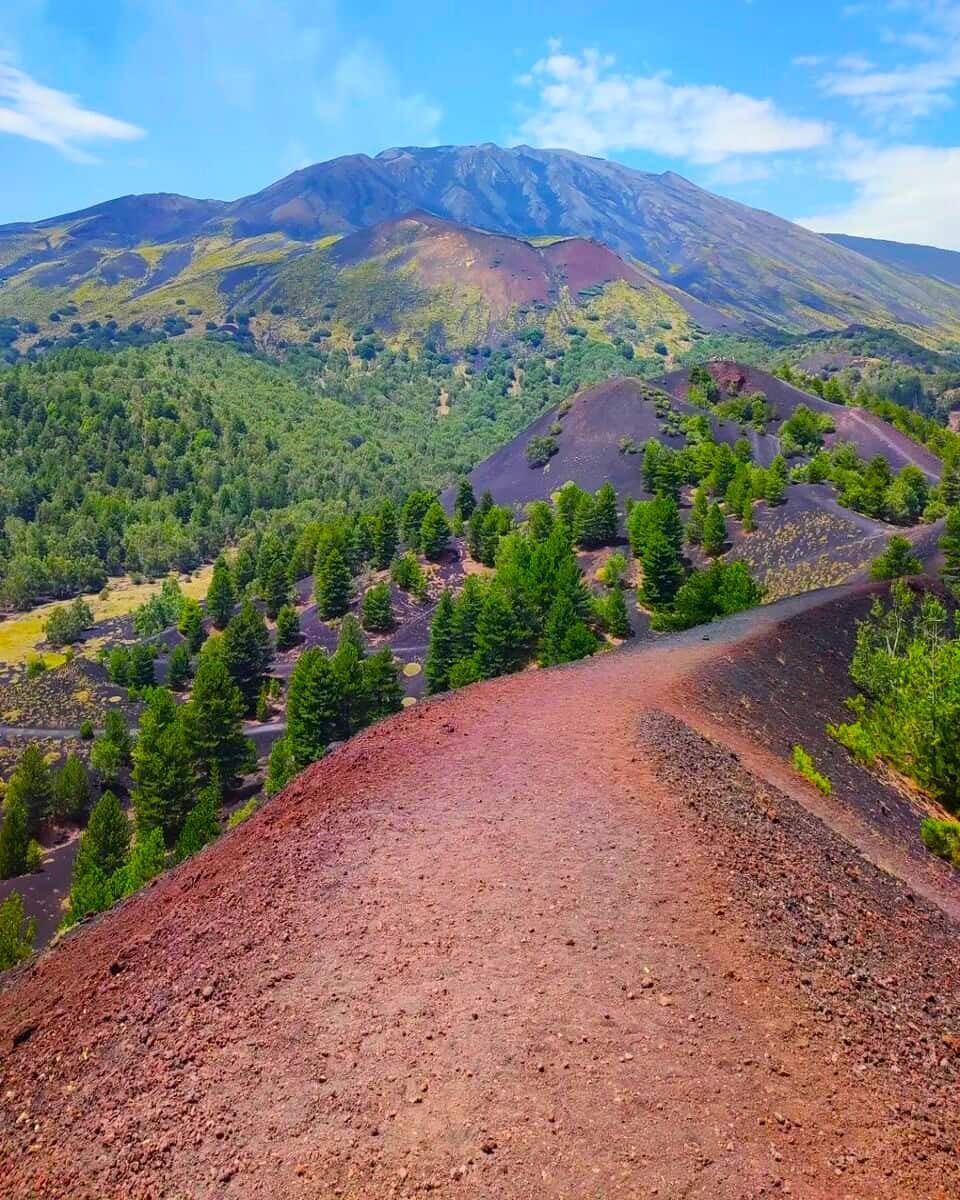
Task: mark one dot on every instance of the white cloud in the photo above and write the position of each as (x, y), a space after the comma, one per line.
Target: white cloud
(584, 104)
(362, 86)
(31, 110)
(904, 193)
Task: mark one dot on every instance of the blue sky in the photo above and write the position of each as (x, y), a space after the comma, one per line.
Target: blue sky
(843, 116)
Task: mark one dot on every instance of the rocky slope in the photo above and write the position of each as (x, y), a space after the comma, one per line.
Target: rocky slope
(138, 253)
(538, 937)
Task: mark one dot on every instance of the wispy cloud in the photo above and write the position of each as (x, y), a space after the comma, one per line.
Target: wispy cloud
(903, 192)
(583, 103)
(29, 109)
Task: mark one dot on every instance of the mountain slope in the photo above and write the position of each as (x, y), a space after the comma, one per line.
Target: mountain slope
(905, 256)
(750, 265)
(643, 971)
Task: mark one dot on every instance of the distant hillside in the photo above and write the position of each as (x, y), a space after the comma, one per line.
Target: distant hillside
(169, 258)
(905, 256)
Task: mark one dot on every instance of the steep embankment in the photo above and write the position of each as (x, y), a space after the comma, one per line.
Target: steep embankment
(537, 938)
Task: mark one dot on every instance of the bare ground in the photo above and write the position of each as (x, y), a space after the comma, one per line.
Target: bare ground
(535, 939)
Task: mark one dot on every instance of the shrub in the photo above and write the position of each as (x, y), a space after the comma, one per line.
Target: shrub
(896, 561)
(86, 729)
(239, 815)
(942, 838)
(803, 763)
(540, 450)
(67, 622)
(34, 856)
(16, 932)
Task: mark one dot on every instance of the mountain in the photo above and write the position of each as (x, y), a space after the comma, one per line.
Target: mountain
(145, 258)
(905, 256)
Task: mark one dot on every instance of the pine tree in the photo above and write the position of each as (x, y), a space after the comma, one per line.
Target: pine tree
(71, 790)
(381, 678)
(500, 640)
(142, 673)
(147, 860)
(698, 515)
(245, 648)
(606, 514)
(178, 673)
(615, 618)
(651, 458)
(442, 652)
(201, 826)
(385, 535)
(282, 767)
(348, 667)
(162, 768)
(466, 613)
(896, 561)
(288, 628)
(776, 489)
(586, 525)
(950, 545)
(351, 633)
(221, 594)
(714, 531)
(376, 611)
(333, 585)
(213, 719)
(276, 588)
(115, 730)
(14, 839)
(314, 707)
(244, 570)
(415, 508)
(662, 571)
(565, 636)
(32, 785)
(191, 624)
(466, 501)
(434, 534)
(105, 842)
(950, 483)
(17, 934)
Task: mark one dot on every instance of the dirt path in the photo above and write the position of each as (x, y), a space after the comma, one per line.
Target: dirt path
(481, 950)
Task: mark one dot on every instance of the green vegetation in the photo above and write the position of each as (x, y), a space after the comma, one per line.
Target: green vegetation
(907, 667)
(896, 561)
(17, 934)
(942, 838)
(803, 763)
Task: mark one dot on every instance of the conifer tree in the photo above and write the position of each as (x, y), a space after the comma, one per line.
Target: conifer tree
(500, 640)
(351, 633)
(71, 790)
(201, 825)
(651, 458)
(615, 618)
(714, 531)
(178, 673)
(381, 678)
(776, 489)
(213, 719)
(415, 508)
(162, 768)
(950, 545)
(282, 767)
(333, 585)
(288, 627)
(105, 842)
(314, 707)
(950, 482)
(565, 636)
(115, 730)
(385, 535)
(662, 571)
(276, 587)
(698, 515)
(586, 526)
(221, 594)
(348, 667)
(746, 512)
(245, 649)
(17, 934)
(191, 624)
(443, 649)
(14, 838)
(466, 501)
(606, 514)
(244, 570)
(147, 860)
(896, 561)
(142, 673)
(376, 611)
(434, 535)
(32, 784)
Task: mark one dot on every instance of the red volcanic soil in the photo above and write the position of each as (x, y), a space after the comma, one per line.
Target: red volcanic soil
(508, 271)
(869, 433)
(538, 938)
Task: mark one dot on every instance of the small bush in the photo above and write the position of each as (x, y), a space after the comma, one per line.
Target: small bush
(803, 763)
(540, 450)
(241, 814)
(942, 838)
